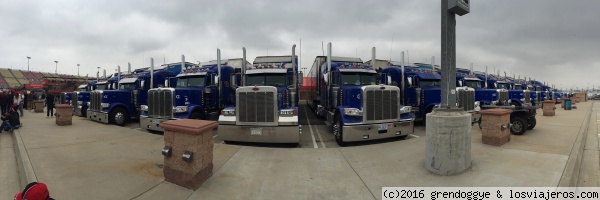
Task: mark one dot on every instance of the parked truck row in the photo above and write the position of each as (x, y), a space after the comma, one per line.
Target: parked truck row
(259, 101)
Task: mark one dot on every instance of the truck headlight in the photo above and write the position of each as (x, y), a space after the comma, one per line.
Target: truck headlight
(477, 103)
(180, 109)
(405, 109)
(79, 107)
(79, 102)
(352, 112)
(228, 112)
(287, 112)
(105, 105)
(144, 107)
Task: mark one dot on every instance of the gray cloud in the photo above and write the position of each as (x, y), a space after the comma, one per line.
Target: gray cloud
(550, 40)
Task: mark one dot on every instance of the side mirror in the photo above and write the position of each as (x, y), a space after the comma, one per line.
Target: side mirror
(496, 85)
(166, 83)
(216, 80)
(142, 84)
(486, 85)
(410, 81)
(325, 78)
(389, 80)
(233, 80)
(300, 78)
(460, 83)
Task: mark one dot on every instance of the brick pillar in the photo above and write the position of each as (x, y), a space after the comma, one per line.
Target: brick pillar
(64, 114)
(195, 137)
(562, 103)
(548, 108)
(39, 106)
(574, 99)
(495, 126)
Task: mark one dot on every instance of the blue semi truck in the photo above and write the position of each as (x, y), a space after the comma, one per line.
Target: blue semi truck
(81, 98)
(197, 94)
(124, 104)
(354, 103)
(266, 102)
(465, 77)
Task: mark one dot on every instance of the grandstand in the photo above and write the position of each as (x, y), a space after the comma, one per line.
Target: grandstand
(17, 79)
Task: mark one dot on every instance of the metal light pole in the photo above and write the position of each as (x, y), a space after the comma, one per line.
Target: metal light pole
(28, 58)
(56, 69)
(77, 69)
(444, 156)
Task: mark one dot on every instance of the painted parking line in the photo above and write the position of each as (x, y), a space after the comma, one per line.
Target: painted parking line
(311, 131)
(415, 136)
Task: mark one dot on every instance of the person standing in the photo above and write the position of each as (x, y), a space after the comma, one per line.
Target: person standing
(19, 100)
(49, 105)
(3, 102)
(10, 100)
(25, 100)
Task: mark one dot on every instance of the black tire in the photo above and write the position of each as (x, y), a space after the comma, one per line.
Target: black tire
(197, 115)
(403, 137)
(532, 123)
(425, 116)
(118, 117)
(519, 126)
(84, 111)
(338, 131)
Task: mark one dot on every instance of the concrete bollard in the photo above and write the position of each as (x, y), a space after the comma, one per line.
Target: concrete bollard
(549, 108)
(495, 126)
(188, 151)
(448, 146)
(39, 106)
(64, 114)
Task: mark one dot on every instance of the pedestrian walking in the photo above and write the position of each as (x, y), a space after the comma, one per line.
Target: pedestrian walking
(49, 105)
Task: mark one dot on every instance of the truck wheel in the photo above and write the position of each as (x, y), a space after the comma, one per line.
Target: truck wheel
(531, 124)
(196, 115)
(338, 131)
(519, 126)
(118, 117)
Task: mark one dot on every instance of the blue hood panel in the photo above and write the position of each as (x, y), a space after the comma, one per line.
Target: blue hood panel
(486, 95)
(188, 96)
(351, 96)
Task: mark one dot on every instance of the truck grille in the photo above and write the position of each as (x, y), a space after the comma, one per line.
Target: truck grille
(74, 99)
(95, 100)
(538, 96)
(527, 96)
(381, 105)
(503, 96)
(256, 106)
(160, 103)
(466, 99)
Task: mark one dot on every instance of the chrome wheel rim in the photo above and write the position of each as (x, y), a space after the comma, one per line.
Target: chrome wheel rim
(119, 118)
(517, 126)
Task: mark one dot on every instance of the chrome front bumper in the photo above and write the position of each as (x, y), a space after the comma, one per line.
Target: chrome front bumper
(150, 123)
(364, 132)
(269, 134)
(98, 116)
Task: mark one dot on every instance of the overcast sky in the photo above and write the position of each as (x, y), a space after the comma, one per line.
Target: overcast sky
(550, 40)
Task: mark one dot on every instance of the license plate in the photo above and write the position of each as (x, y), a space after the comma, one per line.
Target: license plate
(383, 127)
(156, 121)
(256, 131)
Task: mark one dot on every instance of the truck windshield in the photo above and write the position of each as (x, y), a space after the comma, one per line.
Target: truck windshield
(192, 81)
(473, 84)
(502, 86)
(266, 79)
(429, 83)
(127, 86)
(358, 78)
(101, 86)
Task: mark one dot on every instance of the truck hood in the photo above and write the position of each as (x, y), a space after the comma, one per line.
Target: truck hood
(351, 96)
(83, 96)
(431, 95)
(113, 96)
(187, 96)
(486, 95)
